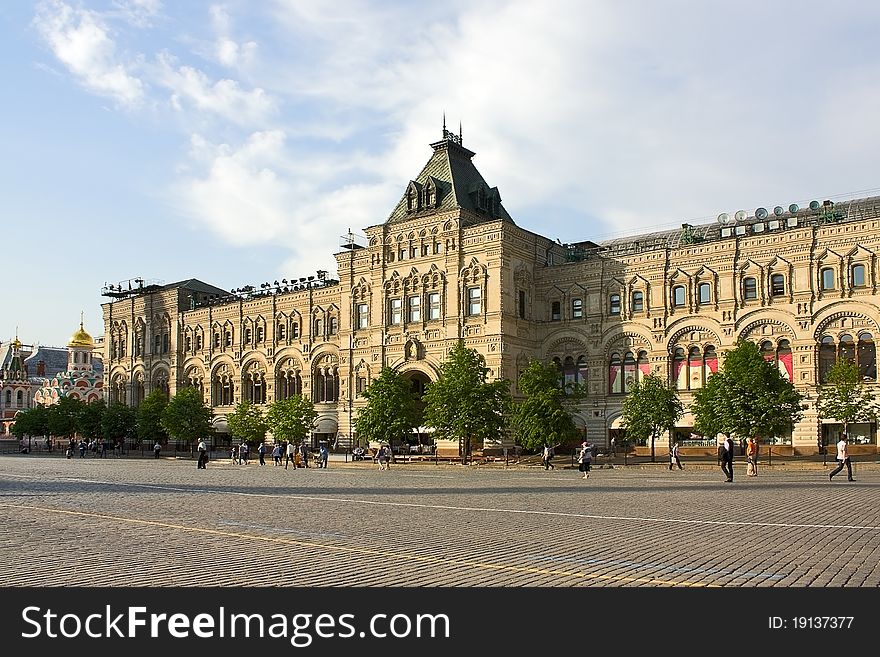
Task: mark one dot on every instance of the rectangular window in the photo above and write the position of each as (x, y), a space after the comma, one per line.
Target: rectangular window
(437, 248)
(475, 300)
(521, 304)
(638, 302)
(363, 317)
(577, 308)
(777, 285)
(750, 288)
(157, 343)
(319, 327)
(434, 305)
(294, 330)
(199, 342)
(426, 249)
(281, 331)
(858, 275)
(361, 384)
(394, 311)
(705, 293)
(678, 296)
(555, 311)
(216, 339)
(228, 341)
(614, 304)
(401, 255)
(259, 334)
(334, 326)
(413, 252)
(414, 304)
(828, 279)
(248, 334)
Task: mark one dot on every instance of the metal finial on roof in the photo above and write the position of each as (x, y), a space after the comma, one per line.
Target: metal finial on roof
(460, 141)
(444, 125)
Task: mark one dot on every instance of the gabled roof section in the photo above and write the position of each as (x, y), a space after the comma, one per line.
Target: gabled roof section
(449, 181)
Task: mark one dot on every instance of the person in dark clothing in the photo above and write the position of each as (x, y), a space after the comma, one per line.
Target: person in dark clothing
(727, 458)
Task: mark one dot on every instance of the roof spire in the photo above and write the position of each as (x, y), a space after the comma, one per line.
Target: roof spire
(444, 124)
(460, 141)
(81, 320)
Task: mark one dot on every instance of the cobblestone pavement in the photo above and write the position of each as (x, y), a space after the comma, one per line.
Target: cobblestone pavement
(146, 522)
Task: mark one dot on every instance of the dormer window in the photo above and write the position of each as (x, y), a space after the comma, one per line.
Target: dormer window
(413, 200)
(430, 195)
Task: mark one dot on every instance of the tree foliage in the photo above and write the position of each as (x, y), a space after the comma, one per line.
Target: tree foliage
(31, 422)
(90, 422)
(248, 422)
(844, 398)
(64, 416)
(119, 423)
(462, 405)
(747, 397)
(543, 417)
(650, 408)
(291, 419)
(186, 417)
(149, 418)
(391, 410)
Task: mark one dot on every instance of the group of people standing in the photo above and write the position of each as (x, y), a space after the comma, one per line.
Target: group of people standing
(290, 453)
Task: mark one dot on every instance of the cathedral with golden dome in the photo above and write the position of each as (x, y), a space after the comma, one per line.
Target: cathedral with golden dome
(40, 375)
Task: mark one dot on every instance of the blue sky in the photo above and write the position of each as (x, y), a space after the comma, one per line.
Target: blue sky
(236, 142)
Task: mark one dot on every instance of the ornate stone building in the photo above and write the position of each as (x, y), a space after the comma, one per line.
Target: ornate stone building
(450, 263)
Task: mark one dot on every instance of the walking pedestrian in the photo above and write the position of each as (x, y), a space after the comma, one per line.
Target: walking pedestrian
(82, 448)
(289, 455)
(673, 456)
(323, 455)
(613, 445)
(382, 457)
(243, 453)
(752, 457)
(276, 453)
(233, 453)
(842, 460)
(726, 453)
(547, 456)
(203, 455)
(304, 453)
(585, 459)
(261, 451)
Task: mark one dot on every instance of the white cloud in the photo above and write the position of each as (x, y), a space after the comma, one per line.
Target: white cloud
(138, 12)
(83, 43)
(225, 49)
(191, 88)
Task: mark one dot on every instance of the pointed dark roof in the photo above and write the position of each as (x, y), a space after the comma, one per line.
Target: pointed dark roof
(458, 186)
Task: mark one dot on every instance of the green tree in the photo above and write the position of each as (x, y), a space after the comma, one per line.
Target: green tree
(90, 422)
(64, 416)
(149, 418)
(119, 423)
(186, 417)
(650, 408)
(544, 416)
(31, 422)
(248, 422)
(747, 397)
(291, 419)
(844, 398)
(391, 410)
(462, 405)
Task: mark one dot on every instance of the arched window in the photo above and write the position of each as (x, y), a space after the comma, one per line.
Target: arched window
(866, 355)
(582, 370)
(857, 275)
(695, 368)
(638, 302)
(827, 278)
(777, 285)
(679, 371)
(827, 356)
(629, 371)
(577, 308)
(846, 349)
(750, 288)
(615, 374)
(785, 359)
(705, 293)
(678, 296)
(614, 304)
(569, 372)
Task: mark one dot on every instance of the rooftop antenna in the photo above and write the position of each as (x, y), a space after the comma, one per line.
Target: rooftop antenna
(460, 141)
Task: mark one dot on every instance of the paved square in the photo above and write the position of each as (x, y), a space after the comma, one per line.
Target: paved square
(146, 522)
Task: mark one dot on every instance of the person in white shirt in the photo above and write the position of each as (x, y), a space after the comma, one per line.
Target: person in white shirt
(842, 460)
(203, 455)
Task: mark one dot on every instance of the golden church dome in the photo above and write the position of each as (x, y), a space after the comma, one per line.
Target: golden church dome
(81, 339)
